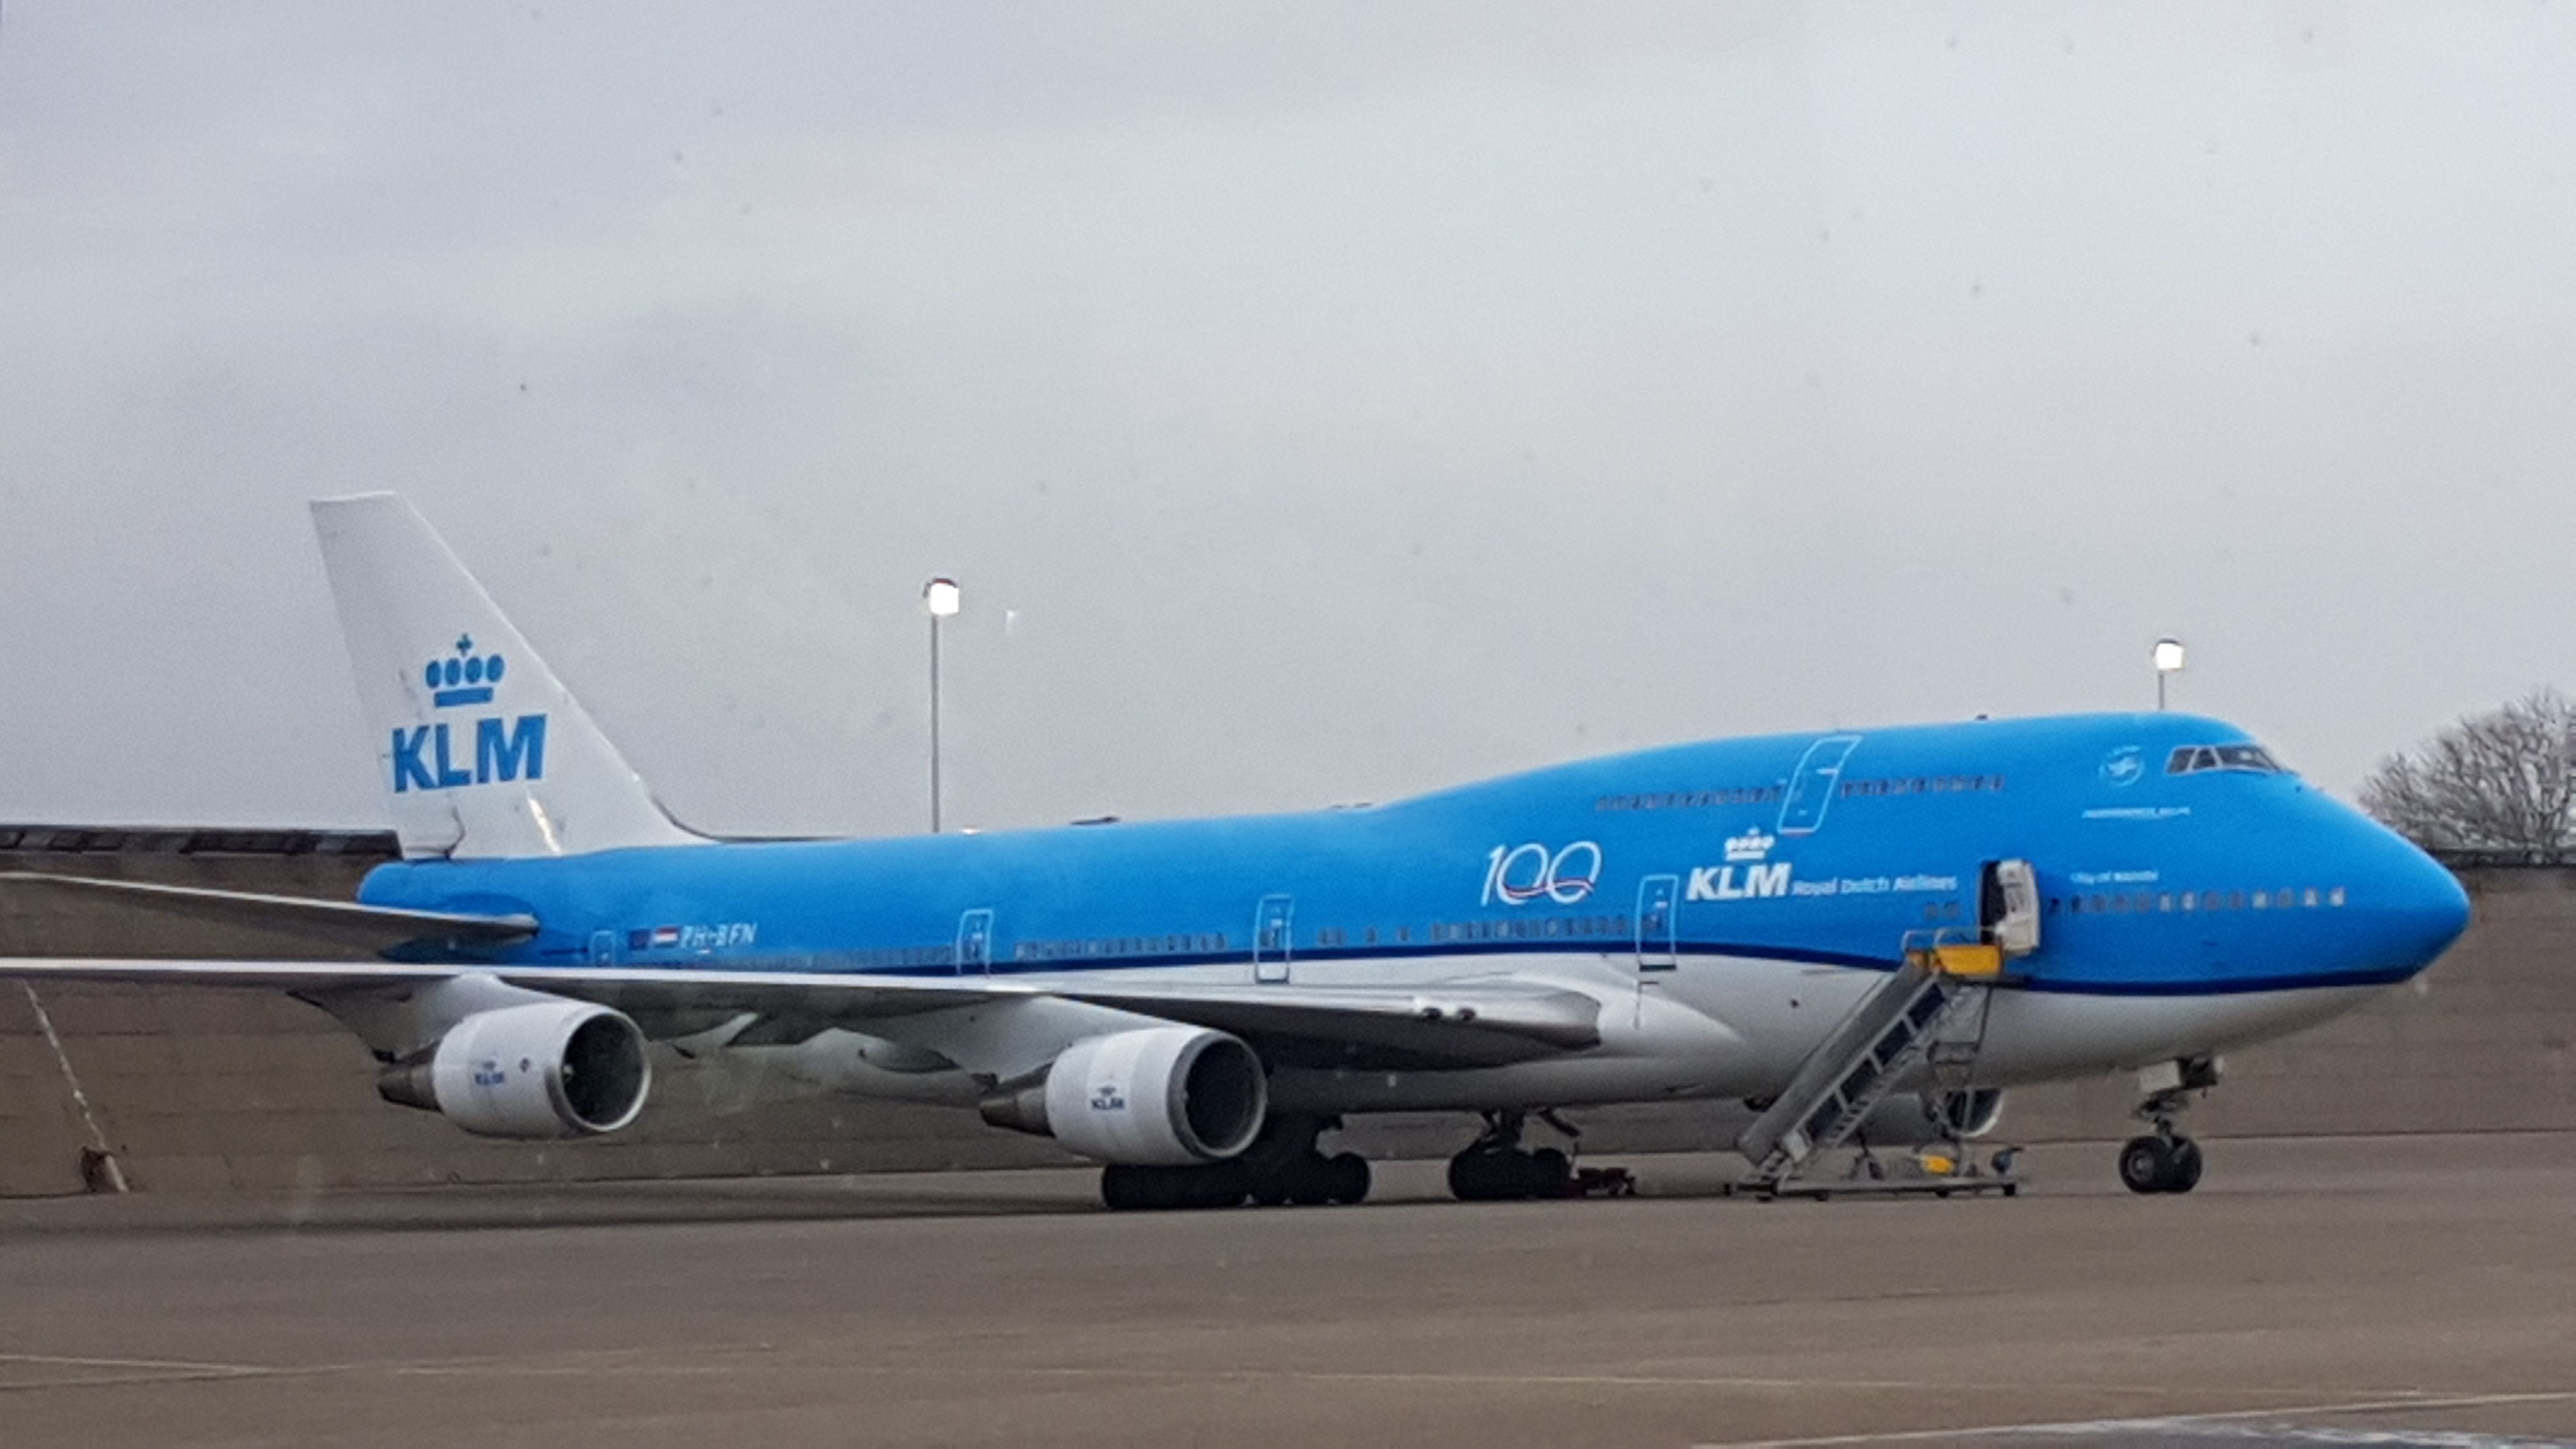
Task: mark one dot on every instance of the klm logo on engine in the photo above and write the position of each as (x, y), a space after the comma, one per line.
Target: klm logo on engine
(440, 756)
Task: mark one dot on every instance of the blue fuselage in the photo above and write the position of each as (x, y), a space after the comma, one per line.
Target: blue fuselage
(2159, 878)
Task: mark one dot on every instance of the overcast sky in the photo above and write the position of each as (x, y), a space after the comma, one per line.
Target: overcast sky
(1318, 403)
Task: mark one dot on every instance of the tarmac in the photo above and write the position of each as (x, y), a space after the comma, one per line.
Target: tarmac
(2395, 1291)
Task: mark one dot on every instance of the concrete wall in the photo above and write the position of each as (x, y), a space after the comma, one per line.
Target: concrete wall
(199, 1089)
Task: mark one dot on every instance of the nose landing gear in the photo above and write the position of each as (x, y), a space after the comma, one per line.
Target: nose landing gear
(2159, 1163)
(2165, 1160)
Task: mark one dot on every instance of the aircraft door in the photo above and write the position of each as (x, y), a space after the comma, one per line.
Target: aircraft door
(1811, 790)
(975, 943)
(1270, 938)
(603, 948)
(1656, 895)
(2008, 906)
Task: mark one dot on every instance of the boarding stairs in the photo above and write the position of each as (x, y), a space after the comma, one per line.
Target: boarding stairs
(1929, 1014)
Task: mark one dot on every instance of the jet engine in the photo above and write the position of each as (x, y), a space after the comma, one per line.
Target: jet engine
(1912, 1119)
(546, 1069)
(1164, 1096)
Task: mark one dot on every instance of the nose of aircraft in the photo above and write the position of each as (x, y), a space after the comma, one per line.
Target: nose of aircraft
(2421, 906)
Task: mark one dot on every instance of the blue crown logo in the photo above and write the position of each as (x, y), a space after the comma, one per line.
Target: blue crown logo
(464, 677)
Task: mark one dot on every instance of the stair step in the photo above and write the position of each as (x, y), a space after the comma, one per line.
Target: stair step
(1892, 1030)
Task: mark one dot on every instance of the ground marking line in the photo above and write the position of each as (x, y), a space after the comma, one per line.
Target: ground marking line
(643, 1360)
(2270, 1433)
(126, 1381)
(588, 1362)
(85, 1361)
(2177, 1421)
(1365, 1376)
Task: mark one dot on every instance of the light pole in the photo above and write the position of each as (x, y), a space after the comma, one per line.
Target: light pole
(940, 599)
(2168, 664)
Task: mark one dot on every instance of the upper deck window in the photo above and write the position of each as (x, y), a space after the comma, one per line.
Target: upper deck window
(2245, 759)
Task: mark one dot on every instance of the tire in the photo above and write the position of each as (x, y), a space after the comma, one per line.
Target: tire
(1484, 1174)
(1467, 1176)
(1347, 1176)
(1217, 1185)
(1309, 1181)
(1546, 1173)
(1153, 1189)
(2184, 1173)
(2146, 1165)
(1132, 1189)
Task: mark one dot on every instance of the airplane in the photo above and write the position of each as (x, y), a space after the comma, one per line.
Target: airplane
(1866, 935)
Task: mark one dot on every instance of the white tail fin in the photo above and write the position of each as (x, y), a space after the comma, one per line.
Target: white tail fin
(481, 749)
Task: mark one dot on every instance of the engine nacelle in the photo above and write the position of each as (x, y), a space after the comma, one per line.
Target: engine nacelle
(1914, 1119)
(1164, 1096)
(546, 1069)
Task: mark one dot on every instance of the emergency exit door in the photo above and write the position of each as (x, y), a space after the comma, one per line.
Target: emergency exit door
(975, 943)
(1271, 938)
(1656, 927)
(1811, 789)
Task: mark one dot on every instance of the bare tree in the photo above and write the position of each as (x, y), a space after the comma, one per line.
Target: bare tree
(2502, 780)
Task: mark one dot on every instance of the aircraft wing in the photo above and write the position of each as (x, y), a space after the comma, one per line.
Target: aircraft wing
(332, 928)
(1473, 1023)
(1486, 1022)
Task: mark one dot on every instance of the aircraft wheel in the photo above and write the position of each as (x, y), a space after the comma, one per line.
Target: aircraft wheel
(1310, 1181)
(1548, 1173)
(1125, 1188)
(1132, 1189)
(1348, 1176)
(2146, 1163)
(1483, 1174)
(2184, 1173)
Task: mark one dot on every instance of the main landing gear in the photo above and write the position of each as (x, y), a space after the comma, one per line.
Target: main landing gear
(2165, 1160)
(1494, 1168)
(1281, 1166)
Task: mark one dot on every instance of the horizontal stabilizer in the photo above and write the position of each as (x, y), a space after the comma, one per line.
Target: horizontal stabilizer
(332, 928)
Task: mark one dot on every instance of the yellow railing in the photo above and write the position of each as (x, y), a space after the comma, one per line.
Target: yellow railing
(1955, 953)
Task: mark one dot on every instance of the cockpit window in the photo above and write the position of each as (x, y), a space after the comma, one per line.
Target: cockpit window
(2246, 759)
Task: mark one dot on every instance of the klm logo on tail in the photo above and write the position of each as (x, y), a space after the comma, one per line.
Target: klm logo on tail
(431, 757)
